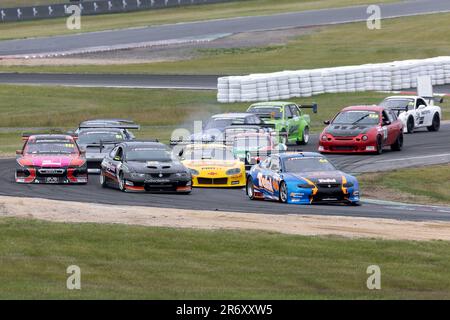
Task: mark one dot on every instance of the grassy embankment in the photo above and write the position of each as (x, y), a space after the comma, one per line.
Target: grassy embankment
(130, 262)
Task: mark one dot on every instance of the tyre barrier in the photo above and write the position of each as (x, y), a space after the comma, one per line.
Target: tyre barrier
(389, 76)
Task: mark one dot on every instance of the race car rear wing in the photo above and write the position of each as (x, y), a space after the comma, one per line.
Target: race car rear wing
(405, 108)
(434, 99)
(313, 106)
(261, 125)
(109, 125)
(26, 135)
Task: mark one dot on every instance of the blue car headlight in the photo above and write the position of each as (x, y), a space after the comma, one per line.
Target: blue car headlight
(305, 186)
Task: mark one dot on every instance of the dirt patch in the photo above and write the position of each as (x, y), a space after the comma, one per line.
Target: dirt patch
(62, 211)
(166, 53)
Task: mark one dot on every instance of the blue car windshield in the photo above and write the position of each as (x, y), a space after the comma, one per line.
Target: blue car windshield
(307, 164)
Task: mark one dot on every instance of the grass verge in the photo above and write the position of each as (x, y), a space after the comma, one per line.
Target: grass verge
(415, 185)
(51, 27)
(130, 262)
(349, 44)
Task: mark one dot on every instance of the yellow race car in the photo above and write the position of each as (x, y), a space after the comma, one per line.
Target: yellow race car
(213, 165)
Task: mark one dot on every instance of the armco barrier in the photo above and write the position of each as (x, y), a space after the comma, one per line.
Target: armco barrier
(305, 83)
(92, 8)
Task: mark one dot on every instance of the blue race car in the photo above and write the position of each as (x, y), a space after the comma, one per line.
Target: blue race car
(301, 178)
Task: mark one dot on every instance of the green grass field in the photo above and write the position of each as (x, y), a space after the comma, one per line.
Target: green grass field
(421, 185)
(349, 44)
(164, 16)
(130, 262)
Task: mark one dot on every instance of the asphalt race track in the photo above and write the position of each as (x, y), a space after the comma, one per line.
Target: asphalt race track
(191, 82)
(193, 30)
(144, 81)
(420, 148)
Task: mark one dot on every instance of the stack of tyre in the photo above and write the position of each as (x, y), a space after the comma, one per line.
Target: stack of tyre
(283, 85)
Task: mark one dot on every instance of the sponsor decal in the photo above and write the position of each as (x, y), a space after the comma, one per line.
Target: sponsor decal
(327, 181)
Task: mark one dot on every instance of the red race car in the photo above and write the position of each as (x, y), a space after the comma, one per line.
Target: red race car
(362, 129)
(51, 158)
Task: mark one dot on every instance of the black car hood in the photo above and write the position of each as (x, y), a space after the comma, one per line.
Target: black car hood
(156, 166)
(347, 130)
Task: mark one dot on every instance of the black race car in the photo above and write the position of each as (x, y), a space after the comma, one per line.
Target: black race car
(144, 166)
(98, 138)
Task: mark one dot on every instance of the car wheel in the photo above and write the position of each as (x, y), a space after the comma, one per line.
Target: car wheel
(410, 125)
(305, 137)
(121, 182)
(283, 192)
(379, 145)
(435, 124)
(103, 181)
(250, 188)
(397, 146)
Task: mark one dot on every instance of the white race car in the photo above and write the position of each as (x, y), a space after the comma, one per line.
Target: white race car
(415, 112)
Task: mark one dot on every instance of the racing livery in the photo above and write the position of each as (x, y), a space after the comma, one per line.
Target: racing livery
(144, 166)
(213, 165)
(97, 137)
(362, 129)
(301, 178)
(50, 158)
(415, 112)
(288, 119)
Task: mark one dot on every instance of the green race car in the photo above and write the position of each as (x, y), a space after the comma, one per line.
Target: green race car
(290, 122)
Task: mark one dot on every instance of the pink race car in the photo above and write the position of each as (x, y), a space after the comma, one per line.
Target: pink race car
(51, 158)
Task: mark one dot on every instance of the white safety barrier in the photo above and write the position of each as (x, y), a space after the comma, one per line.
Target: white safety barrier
(306, 83)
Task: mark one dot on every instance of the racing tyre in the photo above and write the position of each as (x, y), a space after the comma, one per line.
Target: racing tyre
(397, 146)
(379, 145)
(121, 182)
(250, 188)
(410, 125)
(283, 192)
(435, 124)
(305, 137)
(103, 181)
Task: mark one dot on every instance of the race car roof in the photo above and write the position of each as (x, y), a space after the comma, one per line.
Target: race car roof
(114, 130)
(364, 108)
(135, 144)
(299, 155)
(272, 104)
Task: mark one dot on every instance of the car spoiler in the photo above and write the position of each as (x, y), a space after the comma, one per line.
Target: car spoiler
(110, 125)
(26, 135)
(399, 109)
(243, 125)
(312, 106)
(435, 99)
